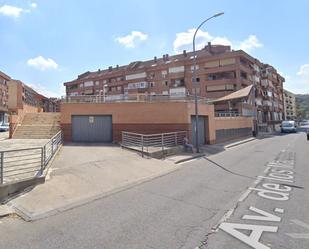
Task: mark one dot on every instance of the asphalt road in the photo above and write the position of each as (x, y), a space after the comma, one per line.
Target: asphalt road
(180, 209)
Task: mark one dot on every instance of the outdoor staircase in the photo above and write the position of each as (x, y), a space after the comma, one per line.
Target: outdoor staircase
(38, 126)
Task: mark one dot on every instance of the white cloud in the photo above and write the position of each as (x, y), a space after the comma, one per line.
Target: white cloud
(184, 41)
(298, 83)
(303, 70)
(250, 43)
(33, 5)
(130, 41)
(47, 93)
(42, 64)
(10, 11)
(15, 12)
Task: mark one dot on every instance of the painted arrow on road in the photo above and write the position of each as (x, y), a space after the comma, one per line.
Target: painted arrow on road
(299, 235)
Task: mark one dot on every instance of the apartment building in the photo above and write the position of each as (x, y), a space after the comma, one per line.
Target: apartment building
(4, 97)
(289, 105)
(220, 71)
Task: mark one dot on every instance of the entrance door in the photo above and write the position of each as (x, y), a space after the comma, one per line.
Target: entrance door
(201, 129)
(88, 128)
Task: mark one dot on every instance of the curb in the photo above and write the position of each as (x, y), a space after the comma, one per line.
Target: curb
(190, 158)
(239, 143)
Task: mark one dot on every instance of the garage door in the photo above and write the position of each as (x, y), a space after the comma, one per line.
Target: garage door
(92, 128)
(201, 129)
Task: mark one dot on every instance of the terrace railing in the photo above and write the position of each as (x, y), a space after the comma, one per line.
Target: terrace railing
(29, 162)
(227, 114)
(130, 98)
(147, 143)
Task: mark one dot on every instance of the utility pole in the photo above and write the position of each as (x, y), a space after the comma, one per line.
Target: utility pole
(195, 83)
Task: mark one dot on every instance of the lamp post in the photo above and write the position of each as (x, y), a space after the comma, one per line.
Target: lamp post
(104, 92)
(194, 80)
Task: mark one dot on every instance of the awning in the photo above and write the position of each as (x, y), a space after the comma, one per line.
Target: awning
(240, 94)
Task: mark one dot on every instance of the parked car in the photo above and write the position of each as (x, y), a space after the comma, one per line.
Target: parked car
(4, 127)
(288, 126)
(304, 123)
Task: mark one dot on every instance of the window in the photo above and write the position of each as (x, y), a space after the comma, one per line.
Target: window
(164, 73)
(152, 84)
(88, 83)
(165, 83)
(69, 87)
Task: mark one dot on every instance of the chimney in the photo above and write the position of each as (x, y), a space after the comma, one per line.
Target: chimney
(99, 70)
(110, 68)
(185, 53)
(164, 57)
(209, 46)
(117, 67)
(155, 59)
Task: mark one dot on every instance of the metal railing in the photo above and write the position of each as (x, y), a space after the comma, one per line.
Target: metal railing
(29, 162)
(130, 98)
(227, 114)
(152, 142)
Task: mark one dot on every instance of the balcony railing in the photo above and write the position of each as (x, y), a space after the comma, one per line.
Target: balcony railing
(227, 114)
(131, 98)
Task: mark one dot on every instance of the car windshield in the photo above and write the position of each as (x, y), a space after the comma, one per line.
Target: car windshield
(287, 125)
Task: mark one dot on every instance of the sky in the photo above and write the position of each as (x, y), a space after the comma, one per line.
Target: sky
(45, 43)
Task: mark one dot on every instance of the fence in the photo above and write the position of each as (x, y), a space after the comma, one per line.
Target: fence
(29, 162)
(152, 142)
(129, 98)
(227, 114)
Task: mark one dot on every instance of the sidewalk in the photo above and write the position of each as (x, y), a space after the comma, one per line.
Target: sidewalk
(4, 135)
(208, 150)
(81, 174)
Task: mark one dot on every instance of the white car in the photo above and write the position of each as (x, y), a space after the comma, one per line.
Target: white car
(288, 126)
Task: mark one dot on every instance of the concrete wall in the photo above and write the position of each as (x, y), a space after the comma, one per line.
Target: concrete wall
(232, 127)
(15, 95)
(140, 117)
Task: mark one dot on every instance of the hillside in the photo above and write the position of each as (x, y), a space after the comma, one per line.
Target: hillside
(302, 103)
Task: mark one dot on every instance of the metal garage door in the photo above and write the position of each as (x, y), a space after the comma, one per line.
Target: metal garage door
(92, 128)
(201, 129)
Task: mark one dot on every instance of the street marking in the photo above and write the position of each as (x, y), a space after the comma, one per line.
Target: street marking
(265, 216)
(300, 223)
(244, 195)
(266, 170)
(277, 179)
(254, 237)
(299, 235)
(279, 210)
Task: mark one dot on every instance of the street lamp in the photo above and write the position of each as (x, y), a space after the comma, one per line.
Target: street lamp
(194, 80)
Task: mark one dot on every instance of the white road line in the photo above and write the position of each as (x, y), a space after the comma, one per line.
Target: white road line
(279, 210)
(266, 170)
(300, 223)
(244, 195)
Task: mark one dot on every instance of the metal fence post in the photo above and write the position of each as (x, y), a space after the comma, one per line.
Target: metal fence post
(42, 159)
(52, 149)
(142, 139)
(1, 167)
(162, 137)
(44, 154)
(176, 139)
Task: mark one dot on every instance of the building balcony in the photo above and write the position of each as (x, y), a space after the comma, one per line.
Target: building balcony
(267, 103)
(221, 81)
